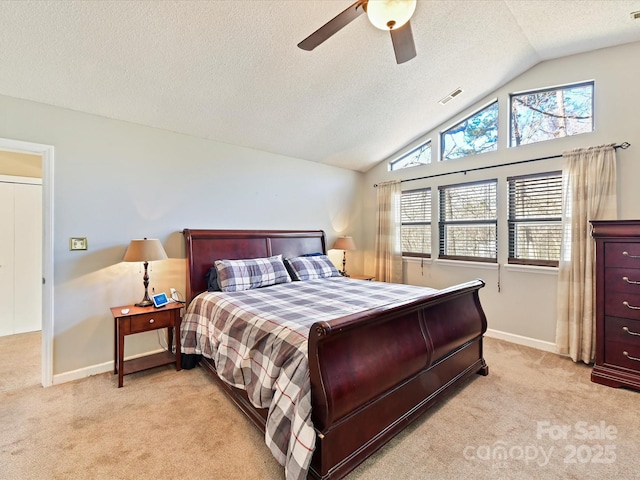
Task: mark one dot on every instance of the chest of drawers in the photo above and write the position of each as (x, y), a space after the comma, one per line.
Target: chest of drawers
(617, 303)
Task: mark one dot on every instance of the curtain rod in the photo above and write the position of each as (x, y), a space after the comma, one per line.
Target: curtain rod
(623, 145)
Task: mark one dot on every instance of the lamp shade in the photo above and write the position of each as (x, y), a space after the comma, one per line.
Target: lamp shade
(145, 250)
(390, 14)
(344, 243)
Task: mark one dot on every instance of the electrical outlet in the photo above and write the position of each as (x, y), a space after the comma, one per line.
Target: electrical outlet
(174, 294)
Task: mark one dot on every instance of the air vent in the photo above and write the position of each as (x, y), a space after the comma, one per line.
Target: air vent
(451, 96)
(635, 15)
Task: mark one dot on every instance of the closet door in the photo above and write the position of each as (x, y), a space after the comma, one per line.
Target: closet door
(27, 258)
(6, 259)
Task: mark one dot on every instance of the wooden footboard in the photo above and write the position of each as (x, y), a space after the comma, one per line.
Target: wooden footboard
(372, 374)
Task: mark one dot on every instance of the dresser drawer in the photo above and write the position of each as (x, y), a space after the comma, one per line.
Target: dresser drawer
(623, 330)
(620, 254)
(151, 321)
(622, 353)
(620, 304)
(622, 342)
(626, 280)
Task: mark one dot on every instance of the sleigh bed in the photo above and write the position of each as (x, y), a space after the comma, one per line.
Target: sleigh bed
(371, 372)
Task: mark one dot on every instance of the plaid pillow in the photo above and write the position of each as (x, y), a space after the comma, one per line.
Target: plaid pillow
(212, 280)
(310, 268)
(237, 275)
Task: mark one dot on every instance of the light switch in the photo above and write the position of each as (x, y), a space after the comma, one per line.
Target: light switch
(78, 243)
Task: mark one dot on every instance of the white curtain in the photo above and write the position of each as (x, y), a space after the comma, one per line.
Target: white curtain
(589, 194)
(388, 253)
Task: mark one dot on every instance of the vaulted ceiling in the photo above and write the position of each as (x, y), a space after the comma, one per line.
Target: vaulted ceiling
(231, 71)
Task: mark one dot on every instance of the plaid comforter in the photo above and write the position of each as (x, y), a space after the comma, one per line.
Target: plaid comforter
(257, 340)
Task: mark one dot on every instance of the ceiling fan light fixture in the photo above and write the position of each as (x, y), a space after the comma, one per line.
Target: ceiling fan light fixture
(390, 14)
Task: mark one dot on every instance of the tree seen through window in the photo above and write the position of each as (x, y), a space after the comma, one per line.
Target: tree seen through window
(553, 113)
(418, 156)
(475, 134)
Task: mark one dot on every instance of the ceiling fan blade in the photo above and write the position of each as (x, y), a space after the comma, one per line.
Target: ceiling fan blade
(403, 44)
(333, 26)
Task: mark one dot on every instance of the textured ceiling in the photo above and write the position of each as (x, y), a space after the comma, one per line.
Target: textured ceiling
(231, 71)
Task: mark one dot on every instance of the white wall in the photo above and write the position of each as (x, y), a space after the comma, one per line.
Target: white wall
(114, 181)
(524, 306)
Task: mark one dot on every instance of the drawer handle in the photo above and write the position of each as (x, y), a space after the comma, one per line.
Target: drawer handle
(626, 329)
(632, 282)
(151, 321)
(626, 354)
(626, 254)
(626, 304)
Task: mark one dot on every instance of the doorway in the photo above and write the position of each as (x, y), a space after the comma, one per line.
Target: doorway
(46, 152)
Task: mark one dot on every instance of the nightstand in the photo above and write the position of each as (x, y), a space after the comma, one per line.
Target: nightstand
(362, 277)
(145, 319)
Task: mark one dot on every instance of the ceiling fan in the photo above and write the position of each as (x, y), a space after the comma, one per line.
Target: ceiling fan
(391, 15)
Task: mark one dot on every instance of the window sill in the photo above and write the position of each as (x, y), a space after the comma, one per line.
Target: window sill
(467, 264)
(420, 260)
(513, 267)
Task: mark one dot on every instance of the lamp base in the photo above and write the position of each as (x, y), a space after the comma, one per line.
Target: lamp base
(343, 272)
(144, 303)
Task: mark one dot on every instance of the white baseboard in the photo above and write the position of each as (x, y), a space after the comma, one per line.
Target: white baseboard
(93, 369)
(520, 340)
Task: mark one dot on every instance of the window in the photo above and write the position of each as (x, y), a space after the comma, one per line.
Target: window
(415, 208)
(468, 221)
(418, 156)
(535, 219)
(475, 134)
(542, 115)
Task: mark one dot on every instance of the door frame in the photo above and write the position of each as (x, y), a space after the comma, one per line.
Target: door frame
(47, 153)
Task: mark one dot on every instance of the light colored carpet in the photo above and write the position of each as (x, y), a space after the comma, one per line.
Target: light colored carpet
(177, 425)
(20, 357)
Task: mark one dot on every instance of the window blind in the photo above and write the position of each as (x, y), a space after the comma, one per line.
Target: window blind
(415, 207)
(468, 221)
(535, 218)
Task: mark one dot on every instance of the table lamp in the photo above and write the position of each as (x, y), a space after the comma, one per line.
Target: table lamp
(344, 244)
(145, 250)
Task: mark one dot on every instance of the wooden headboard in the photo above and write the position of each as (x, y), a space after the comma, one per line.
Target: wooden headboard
(206, 246)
